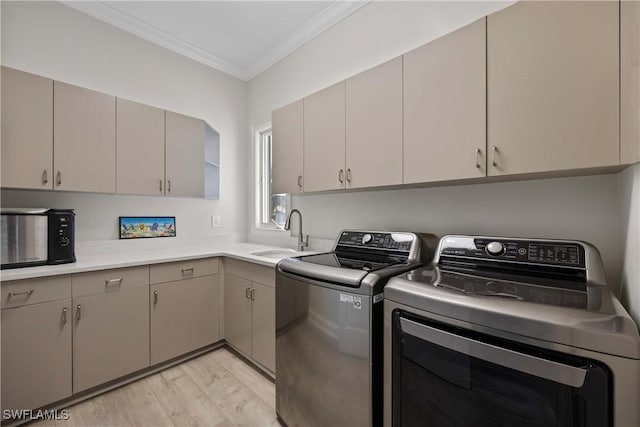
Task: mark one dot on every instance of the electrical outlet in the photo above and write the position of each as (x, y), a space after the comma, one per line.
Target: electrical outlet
(215, 221)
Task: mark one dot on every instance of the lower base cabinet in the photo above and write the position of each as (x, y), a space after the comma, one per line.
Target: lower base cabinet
(249, 311)
(184, 316)
(36, 354)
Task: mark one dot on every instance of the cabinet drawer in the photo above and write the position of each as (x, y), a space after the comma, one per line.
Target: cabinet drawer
(169, 272)
(253, 272)
(32, 291)
(102, 281)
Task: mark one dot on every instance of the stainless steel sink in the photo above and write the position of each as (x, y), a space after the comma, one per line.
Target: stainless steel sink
(277, 253)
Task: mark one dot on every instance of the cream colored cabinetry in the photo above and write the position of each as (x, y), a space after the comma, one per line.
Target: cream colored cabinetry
(139, 140)
(27, 130)
(84, 140)
(552, 76)
(287, 149)
(184, 160)
(249, 310)
(374, 127)
(36, 342)
(629, 82)
(324, 139)
(445, 107)
(184, 306)
(111, 325)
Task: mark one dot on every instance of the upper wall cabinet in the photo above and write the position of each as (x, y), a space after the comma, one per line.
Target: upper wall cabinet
(629, 82)
(184, 150)
(84, 139)
(552, 86)
(324, 139)
(139, 139)
(27, 130)
(287, 149)
(445, 107)
(374, 127)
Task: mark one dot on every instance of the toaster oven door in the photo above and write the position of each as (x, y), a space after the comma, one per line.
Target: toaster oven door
(24, 240)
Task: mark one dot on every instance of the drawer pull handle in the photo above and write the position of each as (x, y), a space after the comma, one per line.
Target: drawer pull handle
(341, 175)
(494, 162)
(300, 181)
(253, 294)
(64, 315)
(59, 178)
(478, 154)
(155, 297)
(45, 178)
(169, 186)
(160, 181)
(247, 293)
(15, 294)
(186, 271)
(78, 312)
(348, 174)
(113, 282)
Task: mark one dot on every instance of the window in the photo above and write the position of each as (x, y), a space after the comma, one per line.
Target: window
(271, 208)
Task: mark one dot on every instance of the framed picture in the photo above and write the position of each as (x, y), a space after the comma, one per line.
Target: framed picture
(143, 227)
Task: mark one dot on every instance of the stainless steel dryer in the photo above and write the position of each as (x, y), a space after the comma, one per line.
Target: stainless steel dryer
(329, 328)
(509, 332)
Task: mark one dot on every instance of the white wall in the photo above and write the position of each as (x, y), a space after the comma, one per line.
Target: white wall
(629, 184)
(584, 208)
(53, 40)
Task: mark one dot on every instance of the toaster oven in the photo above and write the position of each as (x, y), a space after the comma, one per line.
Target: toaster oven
(33, 237)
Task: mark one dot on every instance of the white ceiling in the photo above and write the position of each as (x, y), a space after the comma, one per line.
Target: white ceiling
(241, 38)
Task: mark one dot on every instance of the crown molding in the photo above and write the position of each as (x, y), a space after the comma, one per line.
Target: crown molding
(335, 13)
(106, 13)
(306, 32)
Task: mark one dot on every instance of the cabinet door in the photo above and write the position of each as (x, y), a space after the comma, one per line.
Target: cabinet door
(84, 140)
(552, 86)
(324, 139)
(445, 107)
(139, 142)
(184, 155)
(27, 130)
(264, 325)
(36, 354)
(184, 316)
(374, 126)
(110, 337)
(629, 82)
(237, 313)
(287, 149)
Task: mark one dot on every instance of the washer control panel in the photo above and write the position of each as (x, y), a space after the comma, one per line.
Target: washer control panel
(555, 253)
(376, 240)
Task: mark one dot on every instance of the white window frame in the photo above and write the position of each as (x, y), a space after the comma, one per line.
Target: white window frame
(261, 188)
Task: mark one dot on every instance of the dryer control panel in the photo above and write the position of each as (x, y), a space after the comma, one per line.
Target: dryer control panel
(526, 251)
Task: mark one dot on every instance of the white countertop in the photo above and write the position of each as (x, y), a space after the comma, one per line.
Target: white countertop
(117, 259)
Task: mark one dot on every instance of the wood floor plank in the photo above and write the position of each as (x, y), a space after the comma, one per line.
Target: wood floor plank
(236, 401)
(216, 389)
(183, 400)
(256, 382)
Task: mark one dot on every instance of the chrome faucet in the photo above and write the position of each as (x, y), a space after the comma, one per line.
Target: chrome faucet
(302, 243)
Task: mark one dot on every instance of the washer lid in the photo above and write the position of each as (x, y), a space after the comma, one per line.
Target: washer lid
(590, 318)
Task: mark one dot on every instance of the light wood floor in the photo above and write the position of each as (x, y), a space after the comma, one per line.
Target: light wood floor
(216, 389)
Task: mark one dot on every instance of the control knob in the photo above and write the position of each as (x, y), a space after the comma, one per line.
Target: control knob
(367, 238)
(495, 248)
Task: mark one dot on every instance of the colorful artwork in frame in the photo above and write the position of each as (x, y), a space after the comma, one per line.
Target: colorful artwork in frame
(141, 227)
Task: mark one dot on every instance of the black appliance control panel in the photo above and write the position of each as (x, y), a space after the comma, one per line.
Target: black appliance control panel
(555, 253)
(61, 245)
(376, 240)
